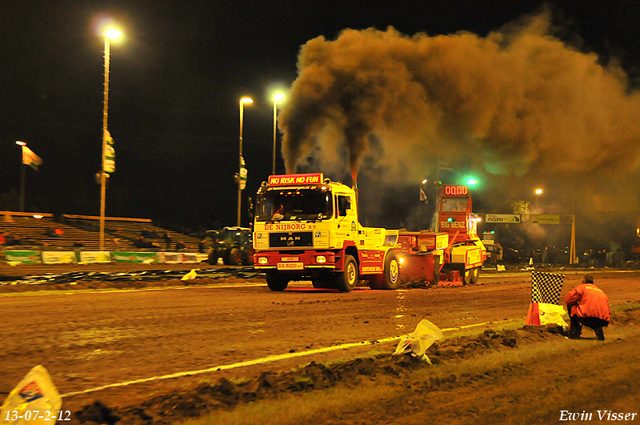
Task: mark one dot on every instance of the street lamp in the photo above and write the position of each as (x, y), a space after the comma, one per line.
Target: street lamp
(241, 183)
(278, 97)
(538, 193)
(110, 34)
(22, 174)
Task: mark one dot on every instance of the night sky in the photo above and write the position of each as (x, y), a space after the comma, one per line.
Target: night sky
(176, 79)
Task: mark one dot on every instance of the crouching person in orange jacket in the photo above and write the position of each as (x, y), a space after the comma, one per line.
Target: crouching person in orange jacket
(587, 305)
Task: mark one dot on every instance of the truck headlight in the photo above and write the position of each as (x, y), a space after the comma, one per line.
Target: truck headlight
(263, 260)
(321, 259)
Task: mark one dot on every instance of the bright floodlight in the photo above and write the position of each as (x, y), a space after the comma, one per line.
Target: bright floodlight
(21, 143)
(246, 100)
(538, 191)
(112, 34)
(424, 181)
(278, 97)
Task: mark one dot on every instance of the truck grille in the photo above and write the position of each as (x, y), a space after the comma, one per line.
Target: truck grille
(286, 239)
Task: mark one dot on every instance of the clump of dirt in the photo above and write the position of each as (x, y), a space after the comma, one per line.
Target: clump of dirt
(97, 413)
(225, 394)
(627, 315)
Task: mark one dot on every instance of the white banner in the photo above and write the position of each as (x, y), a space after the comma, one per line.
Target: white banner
(194, 257)
(59, 257)
(170, 257)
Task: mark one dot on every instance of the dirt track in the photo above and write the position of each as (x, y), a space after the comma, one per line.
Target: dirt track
(90, 339)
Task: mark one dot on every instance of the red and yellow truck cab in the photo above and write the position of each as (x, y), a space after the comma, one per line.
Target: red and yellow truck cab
(306, 228)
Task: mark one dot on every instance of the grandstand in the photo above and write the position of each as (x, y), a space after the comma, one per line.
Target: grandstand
(83, 232)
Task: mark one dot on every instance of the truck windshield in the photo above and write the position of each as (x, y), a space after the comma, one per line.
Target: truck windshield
(275, 204)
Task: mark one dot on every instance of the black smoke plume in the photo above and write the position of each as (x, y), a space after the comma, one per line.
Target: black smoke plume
(520, 105)
(517, 99)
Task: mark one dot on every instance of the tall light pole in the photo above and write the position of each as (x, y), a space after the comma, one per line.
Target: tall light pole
(243, 100)
(538, 193)
(276, 98)
(111, 34)
(22, 173)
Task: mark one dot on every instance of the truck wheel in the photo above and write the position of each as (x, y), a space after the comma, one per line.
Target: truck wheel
(346, 280)
(475, 275)
(466, 276)
(277, 282)
(390, 278)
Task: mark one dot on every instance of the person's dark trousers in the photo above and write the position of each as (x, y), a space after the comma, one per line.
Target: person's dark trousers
(575, 328)
(594, 323)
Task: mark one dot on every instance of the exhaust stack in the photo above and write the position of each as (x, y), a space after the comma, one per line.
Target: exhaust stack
(354, 180)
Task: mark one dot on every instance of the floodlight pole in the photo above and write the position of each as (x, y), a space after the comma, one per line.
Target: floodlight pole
(240, 166)
(105, 114)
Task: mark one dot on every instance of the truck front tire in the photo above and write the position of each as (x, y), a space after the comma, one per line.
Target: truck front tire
(277, 282)
(346, 280)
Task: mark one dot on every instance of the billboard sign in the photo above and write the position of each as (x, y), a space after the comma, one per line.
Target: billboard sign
(502, 218)
(541, 219)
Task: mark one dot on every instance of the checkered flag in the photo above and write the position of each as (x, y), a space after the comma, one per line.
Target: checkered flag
(546, 287)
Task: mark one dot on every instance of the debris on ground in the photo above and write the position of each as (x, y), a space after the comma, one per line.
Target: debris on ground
(225, 394)
(419, 341)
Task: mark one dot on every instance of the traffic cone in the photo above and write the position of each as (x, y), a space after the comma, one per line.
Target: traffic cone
(533, 315)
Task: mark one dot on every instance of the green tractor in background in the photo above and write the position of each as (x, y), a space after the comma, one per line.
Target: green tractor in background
(233, 244)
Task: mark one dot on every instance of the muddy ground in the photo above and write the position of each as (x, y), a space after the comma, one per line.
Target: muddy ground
(91, 338)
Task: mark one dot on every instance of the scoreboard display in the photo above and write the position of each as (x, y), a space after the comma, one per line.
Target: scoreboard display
(455, 190)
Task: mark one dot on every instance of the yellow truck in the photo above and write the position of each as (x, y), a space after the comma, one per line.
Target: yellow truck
(306, 228)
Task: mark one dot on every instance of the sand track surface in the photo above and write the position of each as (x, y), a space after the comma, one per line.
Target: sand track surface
(99, 337)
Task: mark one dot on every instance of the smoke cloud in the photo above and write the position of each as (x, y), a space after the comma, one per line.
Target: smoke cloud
(514, 102)
(519, 106)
